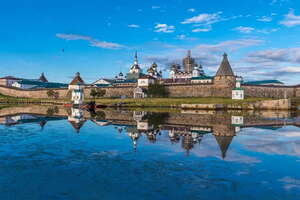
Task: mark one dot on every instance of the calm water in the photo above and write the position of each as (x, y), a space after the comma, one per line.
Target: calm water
(55, 153)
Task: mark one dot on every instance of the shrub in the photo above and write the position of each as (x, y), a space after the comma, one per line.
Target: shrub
(50, 93)
(100, 92)
(157, 90)
(93, 93)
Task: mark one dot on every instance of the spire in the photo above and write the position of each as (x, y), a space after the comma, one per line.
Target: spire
(135, 58)
(225, 68)
(189, 53)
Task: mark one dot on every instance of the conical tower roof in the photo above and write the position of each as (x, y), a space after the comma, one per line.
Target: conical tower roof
(43, 78)
(225, 68)
(77, 126)
(77, 80)
(224, 143)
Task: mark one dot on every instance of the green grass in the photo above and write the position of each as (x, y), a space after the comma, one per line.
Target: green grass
(147, 102)
(173, 102)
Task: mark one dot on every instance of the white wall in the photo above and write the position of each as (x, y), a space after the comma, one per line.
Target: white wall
(202, 81)
(145, 82)
(22, 86)
(238, 94)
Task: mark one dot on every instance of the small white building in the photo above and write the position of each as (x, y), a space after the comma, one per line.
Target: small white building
(238, 91)
(9, 81)
(77, 96)
(144, 126)
(76, 118)
(77, 88)
(139, 93)
(145, 81)
(237, 122)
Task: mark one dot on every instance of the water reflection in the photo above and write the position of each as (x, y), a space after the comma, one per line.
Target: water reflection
(50, 152)
(185, 127)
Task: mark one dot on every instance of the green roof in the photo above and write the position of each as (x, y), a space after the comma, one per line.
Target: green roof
(126, 81)
(39, 84)
(203, 77)
(135, 76)
(103, 85)
(238, 89)
(263, 82)
(200, 132)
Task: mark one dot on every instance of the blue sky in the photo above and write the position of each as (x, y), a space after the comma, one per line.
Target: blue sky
(100, 37)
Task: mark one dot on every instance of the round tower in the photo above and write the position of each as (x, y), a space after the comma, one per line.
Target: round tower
(225, 76)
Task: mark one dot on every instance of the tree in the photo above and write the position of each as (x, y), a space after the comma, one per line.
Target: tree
(50, 93)
(93, 93)
(56, 95)
(157, 90)
(100, 93)
(53, 94)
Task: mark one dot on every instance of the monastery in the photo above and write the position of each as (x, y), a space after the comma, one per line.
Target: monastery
(188, 80)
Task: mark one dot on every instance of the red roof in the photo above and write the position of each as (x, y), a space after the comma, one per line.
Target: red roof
(77, 80)
(43, 78)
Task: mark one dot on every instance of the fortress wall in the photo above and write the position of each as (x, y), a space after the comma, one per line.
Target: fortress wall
(37, 93)
(297, 91)
(63, 93)
(269, 91)
(204, 90)
(113, 91)
(182, 90)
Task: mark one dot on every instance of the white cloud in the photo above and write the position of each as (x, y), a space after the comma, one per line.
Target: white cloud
(265, 19)
(192, 10)
(229, 45)
(204, 18)
(267, 31)
(291, 19)
(105, 45)
(197, 30)
(155, 7)
(184, 37)
(181, 37)
(72, 36)
(209, 55)
(290, 183)
(291, 55)
(164, 28)
(133, 26)
(93, 42)
(244, 29)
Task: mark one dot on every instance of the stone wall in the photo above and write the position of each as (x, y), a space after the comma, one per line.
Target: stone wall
(38, 93)
(271, 91)
(179, 90)
(196, 90)
(64, 93)
(112, 91)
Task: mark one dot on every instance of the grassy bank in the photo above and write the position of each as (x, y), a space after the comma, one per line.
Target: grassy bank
(172, 102)
(17, 100)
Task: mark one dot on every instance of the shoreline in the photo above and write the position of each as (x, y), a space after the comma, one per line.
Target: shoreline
(171, 103)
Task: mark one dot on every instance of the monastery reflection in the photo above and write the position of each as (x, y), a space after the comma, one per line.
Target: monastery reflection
(185, 128)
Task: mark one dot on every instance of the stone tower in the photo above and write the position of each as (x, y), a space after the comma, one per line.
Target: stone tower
(77, 87)
(225, 76)
(188, 63)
